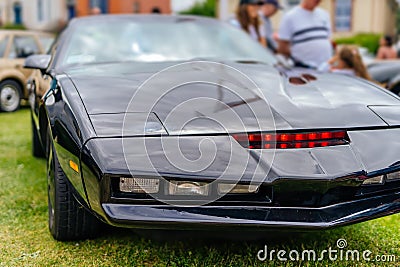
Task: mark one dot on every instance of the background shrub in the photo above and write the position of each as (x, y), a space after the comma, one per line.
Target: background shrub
(10, 26)
(207, 8)
(368, 40)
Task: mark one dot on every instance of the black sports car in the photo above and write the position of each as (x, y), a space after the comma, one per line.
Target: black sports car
(182, 122)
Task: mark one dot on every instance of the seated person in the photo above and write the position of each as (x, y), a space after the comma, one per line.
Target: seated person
(348, 61)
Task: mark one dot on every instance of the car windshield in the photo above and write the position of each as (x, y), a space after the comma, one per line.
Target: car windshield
(160, 41)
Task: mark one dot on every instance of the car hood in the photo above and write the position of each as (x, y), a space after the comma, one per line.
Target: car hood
(269, 99)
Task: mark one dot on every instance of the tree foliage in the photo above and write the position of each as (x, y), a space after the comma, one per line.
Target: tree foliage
(10, 26)
(368, 40)
(206, 8)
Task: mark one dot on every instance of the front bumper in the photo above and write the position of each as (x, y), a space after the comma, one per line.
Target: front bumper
(315, 188)
(250, 217)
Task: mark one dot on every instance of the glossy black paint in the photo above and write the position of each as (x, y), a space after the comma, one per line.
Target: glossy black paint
(254, 217)
(83, 113)
(307, 106)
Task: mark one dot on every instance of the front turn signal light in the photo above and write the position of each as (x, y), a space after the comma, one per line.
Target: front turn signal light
(74, 166)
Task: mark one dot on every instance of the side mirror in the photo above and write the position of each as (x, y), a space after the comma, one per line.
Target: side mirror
(40, 62)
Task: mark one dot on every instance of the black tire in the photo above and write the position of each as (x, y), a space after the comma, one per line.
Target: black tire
(68, 219)
(10, 96)
(37, 149)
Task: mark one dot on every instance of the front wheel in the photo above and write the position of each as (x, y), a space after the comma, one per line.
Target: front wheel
(68, 219)
(10, 95)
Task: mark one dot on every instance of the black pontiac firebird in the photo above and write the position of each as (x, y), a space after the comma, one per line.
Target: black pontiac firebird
(186, 123)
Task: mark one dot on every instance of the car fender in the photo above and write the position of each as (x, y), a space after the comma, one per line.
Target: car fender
(58, 128)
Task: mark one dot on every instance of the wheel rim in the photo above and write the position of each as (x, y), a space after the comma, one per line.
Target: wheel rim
(9, 98)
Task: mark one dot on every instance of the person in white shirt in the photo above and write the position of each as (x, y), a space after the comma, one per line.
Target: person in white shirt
(305, 33)
(249, 20)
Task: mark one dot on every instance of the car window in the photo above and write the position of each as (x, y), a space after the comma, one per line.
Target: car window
(3, 46)
(158, 41)
(23, 46)
(46, 42)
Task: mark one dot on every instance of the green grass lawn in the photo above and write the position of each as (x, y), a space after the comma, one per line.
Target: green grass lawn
(26, 241)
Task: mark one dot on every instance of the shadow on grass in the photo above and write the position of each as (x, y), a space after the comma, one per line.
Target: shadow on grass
(227, 242)
(273, 236)
(191, 248)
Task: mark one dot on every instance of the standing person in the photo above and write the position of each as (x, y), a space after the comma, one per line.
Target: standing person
(386, 49)
(248, 19)
(305, 33)
(269, 9)
(348, 61)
